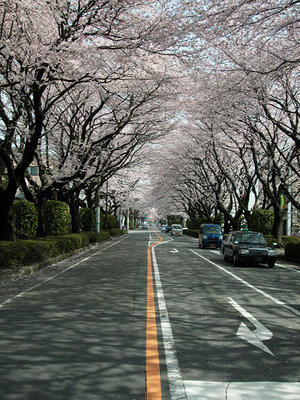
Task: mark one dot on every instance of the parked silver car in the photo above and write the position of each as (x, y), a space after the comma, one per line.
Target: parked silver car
(176, 230)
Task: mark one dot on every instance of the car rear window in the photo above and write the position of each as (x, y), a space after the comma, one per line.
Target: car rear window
(212, 230)
(250, 238)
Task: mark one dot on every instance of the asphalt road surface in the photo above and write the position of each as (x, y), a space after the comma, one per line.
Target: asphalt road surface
(150, 316)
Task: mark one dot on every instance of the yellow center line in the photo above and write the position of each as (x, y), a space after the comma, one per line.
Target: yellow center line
(153, 379)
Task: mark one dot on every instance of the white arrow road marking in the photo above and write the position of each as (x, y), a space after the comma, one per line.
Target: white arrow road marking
(268, 296)
(174, 251)
(196, 390)
(253, 337)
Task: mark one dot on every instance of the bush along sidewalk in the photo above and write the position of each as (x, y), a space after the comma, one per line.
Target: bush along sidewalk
(292, 249)
(15, 255)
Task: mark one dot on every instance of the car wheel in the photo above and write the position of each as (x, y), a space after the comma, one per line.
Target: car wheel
(225, 258)
(271, 264)
(235, 261)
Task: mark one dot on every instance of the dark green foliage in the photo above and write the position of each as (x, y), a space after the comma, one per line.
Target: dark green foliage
(192, 232)
(57, 216)
(26, 219)
(26, 252)
(175, 219)
(271, 240)
(37, 251)
(95, 237)
(68, 242)
(285, 239)
(194, 223)
(87, 219)
(115, 232)
(262, 221)
(292, 248)
(12, 254)
(111, 222)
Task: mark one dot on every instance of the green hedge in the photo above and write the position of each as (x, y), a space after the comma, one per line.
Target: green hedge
(261, 221)
(116, 232)
(112, 222)
(95, 237)
(58, 218)
(271, 240)
(292, 248)
(26, 219)
(87, 219)
(26, 252)
(191, 232)
(194, 223)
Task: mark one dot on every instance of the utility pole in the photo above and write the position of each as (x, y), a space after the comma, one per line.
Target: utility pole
(289, 225)
(289, 219)
(98, 211)
(128, 221)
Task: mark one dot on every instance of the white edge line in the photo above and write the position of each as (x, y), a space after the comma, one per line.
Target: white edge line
(176, 385)
(290, 268)
(281, 303)
(56, 275)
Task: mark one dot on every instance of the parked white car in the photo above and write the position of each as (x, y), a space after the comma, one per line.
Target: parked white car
(176, 230)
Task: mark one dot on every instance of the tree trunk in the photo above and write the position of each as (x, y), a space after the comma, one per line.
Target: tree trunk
(7, 197)
(42, 221)
(74, 210)
(278, 223)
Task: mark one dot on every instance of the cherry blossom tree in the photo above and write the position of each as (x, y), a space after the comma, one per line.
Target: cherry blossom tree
(50, 48)
(85, 84)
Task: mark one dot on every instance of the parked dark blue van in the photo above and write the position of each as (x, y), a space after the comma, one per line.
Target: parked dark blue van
(210, 235)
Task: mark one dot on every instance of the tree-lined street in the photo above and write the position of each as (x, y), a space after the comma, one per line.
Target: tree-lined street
(77, 329)
(117, 116)
(206, 92)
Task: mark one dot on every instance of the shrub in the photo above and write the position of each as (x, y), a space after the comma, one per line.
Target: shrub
(115, 232)
(57, 217)
(12, 254)
(36, 251)
(87, 219)
(292, 248)
(68, 242)
(26, 217)
(192, 232)
(194, 223)
(262, 221)
(271, 240)
(95, 237)
(111, 222)
(26, 252)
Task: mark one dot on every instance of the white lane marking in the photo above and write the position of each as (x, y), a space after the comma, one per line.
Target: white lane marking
(131, 232)
(242, 390)
(174, 251)
(255, 337)
(290, 268)
(176, 386)
(279, 302)
(215, 251)
(56, 275)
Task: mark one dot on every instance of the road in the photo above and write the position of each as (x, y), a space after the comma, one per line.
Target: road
(149, 316)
